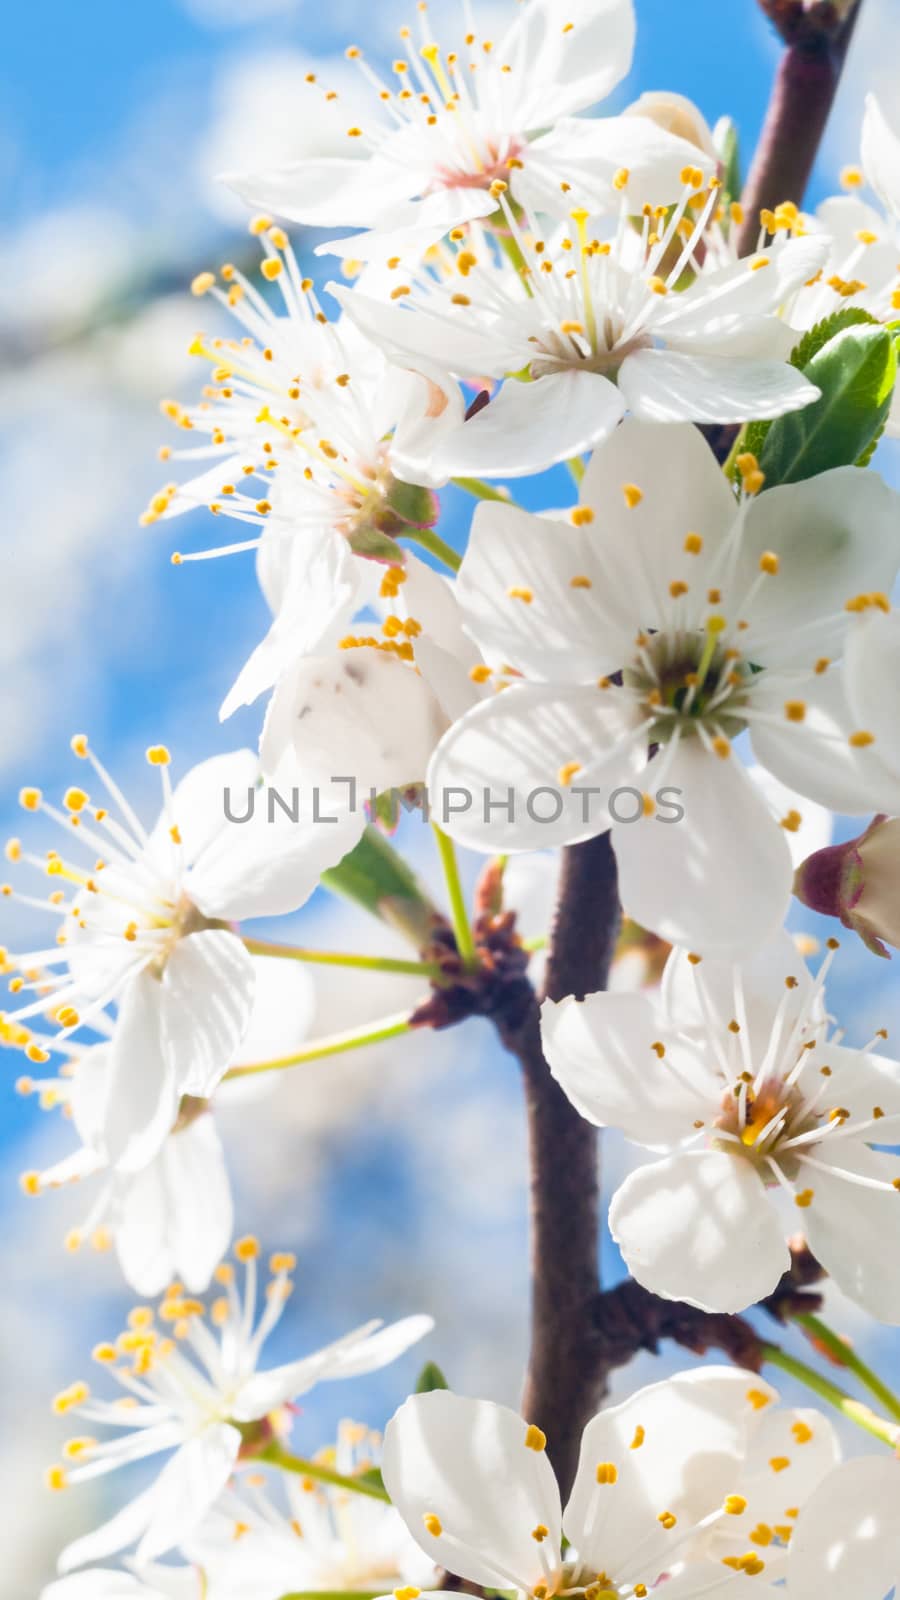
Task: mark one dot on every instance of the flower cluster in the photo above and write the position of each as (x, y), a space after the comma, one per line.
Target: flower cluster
(524, 288)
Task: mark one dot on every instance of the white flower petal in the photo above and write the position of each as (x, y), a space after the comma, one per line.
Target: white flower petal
(99, 1585)
(871, 680)
(324, 191)
(198, 804)
(703, 996)
(615, 1526)
(815, 756)
(115, 1535)
(361, 714)
(408, 337)
(142, 1095)
(671, 874)
(320, 592)
(187, 1487)
(466, 1462)
(529, 426)
(413, 226)
(588, 152)
(847, 1541)
(562, 634)
(176, 1217)
(494, 781)
(835, 536)
(804, 1446)
(601, 1053)
(270, 864)
(207, 997)
(667, 386)
(855, 1232)
(880, 152)
(699, 1227)
(366, 1349)
(560, 66)
(815, 828)
(640, 548)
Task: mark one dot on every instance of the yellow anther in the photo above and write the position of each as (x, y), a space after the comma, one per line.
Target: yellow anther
(580, 581)
(758, 1399)
(30, 1183)
(13, 850)
(734, 1505)
(861, 739)
(259, 224)
(158, 755)
(79, 744)
(247, 1249)
(640, 1433)
(677, 588)
(75, 1448)
(36, 1054)
(568, 772)
(620, 179)
(657, 285)
(802, 1432)
(30, 799)
(75, 800)
(779, 1463)
(769, 562)
(540, 1533)
(433, 1524)
(852, 178)
(667, 1520)
(659, 1050)
(203, 283)
(56, 1478)
(693, 544)
(534, 1438)
(282, 1261)
(632, 495)
(722, 747)
(75, 1395)
(750, 1564)
(607, 1472)
(480, 673)
(795, 710)
(517, 592)
(271, 268)
(582, 516)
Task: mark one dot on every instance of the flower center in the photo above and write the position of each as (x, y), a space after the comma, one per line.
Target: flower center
(689, 682)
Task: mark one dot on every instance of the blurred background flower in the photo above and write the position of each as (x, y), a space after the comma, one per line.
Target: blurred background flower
(397, 1175)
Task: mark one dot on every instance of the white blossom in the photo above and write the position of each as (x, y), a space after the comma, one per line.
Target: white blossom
(635, 644)
(191, 1385)
(734, 1079)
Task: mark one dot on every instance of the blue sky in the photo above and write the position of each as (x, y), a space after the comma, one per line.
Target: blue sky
(111, 125)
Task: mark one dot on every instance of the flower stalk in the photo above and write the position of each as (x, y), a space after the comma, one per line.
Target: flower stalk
(337, 1045)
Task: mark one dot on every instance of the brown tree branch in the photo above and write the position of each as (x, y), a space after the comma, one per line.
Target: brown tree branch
(628, 1319)
(564, 1379)
(817, 38)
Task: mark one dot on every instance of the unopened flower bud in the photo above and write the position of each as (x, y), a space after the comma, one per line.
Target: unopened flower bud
(676, 114)
(858, 882)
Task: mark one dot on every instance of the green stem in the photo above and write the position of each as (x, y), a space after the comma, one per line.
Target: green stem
(436, 546)
(338, 958)
(336, 1045)
(728, 465)
(846, 1356)
(459, 916)
(577, 468)
(853, 1410)
(278, 1457)
(484, 491)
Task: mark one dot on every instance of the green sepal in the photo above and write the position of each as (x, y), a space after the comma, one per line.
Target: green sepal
(376, 878)
(430, 1378)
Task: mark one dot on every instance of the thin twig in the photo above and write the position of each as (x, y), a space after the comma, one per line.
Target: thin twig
(817, 38)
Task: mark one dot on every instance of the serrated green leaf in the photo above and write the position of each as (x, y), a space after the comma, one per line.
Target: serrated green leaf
(855, 371)
(430, 1378)
(816, 337)
(375, 877)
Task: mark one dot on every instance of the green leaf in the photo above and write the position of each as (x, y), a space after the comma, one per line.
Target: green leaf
(430, 1378)
(375, 877)
(372, 1477)
(814, 340)
(855, 370)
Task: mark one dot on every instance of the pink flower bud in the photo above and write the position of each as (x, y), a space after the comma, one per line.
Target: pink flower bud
(858, 882)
